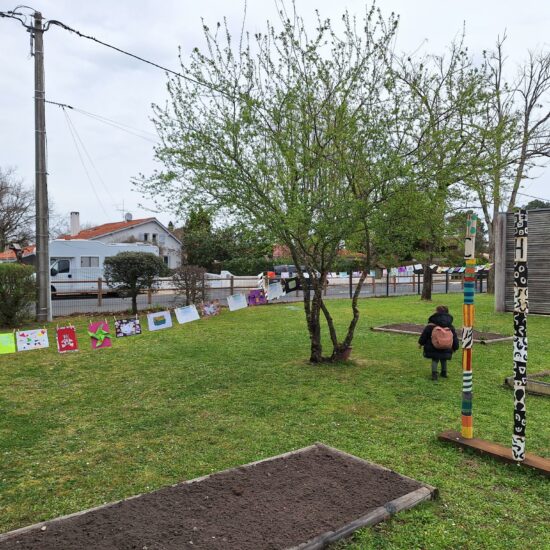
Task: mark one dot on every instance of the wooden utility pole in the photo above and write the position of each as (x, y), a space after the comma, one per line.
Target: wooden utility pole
(43, 310)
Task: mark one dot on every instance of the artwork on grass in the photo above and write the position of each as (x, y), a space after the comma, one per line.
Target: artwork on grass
(127, 327)
(291, 285)
(274, 291)
(28, 340)
(7, 343)
(100, 335)
(208, 309)
(236, 301)
(66, 339)
(186, 314)
(256, 297)
(159, 320)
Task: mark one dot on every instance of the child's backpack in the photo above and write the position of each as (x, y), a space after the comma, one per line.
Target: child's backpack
(442, 337)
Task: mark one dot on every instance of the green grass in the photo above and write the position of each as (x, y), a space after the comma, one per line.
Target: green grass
(81, 429)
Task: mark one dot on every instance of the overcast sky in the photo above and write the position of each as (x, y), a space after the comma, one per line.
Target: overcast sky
(101, 81)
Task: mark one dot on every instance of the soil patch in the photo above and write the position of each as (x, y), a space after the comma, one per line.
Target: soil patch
(277, 503)
(409, 328)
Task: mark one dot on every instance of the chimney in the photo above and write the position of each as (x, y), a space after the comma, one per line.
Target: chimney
(75, 223)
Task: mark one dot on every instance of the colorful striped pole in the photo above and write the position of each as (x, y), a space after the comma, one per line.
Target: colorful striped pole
(521, 307)
(468, 324)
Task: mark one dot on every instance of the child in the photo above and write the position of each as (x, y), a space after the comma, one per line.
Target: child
(439, 340)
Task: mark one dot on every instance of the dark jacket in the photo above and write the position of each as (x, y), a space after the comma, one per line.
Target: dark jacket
(442, 320)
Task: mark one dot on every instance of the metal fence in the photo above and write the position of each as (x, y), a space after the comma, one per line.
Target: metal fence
(93, 296)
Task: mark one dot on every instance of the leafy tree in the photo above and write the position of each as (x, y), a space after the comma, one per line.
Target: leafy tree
(132, 272)
(17, 293)
(535, 204)
(442, 93)
(275, 130)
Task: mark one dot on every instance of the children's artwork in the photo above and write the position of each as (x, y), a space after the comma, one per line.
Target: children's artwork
(7, 343)
(291, 285)
(285, 275)
(236, 301)
(127, 327)
(208, 309)
(187, 314)
(274, 291)
(256, 297)
(343, 274)
(66, 339)
(159, 320)
(100, 335)
(28, 340)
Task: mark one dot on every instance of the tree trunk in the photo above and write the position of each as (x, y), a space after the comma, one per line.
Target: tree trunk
(314, 325)
(134, 304)
(427, 284)
(491, 274)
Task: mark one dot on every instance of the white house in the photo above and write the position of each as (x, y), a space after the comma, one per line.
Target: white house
(145, 230)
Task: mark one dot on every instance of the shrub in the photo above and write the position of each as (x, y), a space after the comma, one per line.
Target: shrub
(248, 266)
(129, 273)
(189, 280)
(17, 293)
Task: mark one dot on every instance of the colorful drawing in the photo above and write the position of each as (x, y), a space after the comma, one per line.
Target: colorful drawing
(521, 308)
(468, 313)
(100, 335)
(127, 327)
(187, 314)
(236, 301)
(27, 340)
(7, 343)
(256, 297)
(159, 320)
(208, 309)
(66, 339)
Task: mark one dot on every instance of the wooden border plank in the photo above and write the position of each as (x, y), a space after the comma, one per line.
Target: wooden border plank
(504, 454)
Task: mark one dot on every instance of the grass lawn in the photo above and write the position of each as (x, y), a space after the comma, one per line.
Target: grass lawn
(81, 429)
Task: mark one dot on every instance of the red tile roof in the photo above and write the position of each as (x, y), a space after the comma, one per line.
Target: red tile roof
(104, 229)
(10, 254)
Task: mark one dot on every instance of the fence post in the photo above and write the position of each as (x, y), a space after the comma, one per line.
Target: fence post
(446, 282)
(231, 285)
(99, 291)
(395, 284)
(387, 282)
(351, 284)
(418, 284)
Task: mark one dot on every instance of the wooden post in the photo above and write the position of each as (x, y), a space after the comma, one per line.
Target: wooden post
(374, 285)
(394, 284)
(351, 284)
(149, 296)
(231, 285)
(469, 283)
(387, 282)
(521, 308)
(446, 282)
(99, 291)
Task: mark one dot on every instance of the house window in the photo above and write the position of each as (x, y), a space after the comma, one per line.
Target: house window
(89, 261)
(162, 238)
(154, 237)
(145, 237)
(166, 260)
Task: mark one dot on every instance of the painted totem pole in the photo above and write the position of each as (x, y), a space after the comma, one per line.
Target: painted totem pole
(521, 306)
(468, 324)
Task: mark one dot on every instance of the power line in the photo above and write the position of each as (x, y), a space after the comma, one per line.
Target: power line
(84, 164)
(99, 118)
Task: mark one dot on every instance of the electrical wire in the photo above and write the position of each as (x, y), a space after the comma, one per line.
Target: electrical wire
(90, 160)
(99, 118)
(84, 165)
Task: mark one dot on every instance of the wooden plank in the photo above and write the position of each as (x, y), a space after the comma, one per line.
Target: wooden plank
(497, 451)
(534, 386)
(483, 342)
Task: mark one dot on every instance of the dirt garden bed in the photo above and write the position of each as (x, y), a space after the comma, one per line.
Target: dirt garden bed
(409, 328)
(300, 500)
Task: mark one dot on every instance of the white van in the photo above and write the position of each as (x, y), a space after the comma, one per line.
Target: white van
(77, 264)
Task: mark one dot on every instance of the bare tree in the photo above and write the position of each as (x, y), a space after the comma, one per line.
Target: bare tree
(16, 210)
(514, 127)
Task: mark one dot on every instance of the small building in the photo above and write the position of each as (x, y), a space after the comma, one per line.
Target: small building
(144, 230)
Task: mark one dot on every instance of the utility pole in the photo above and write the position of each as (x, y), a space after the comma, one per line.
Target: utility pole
(43, 310)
